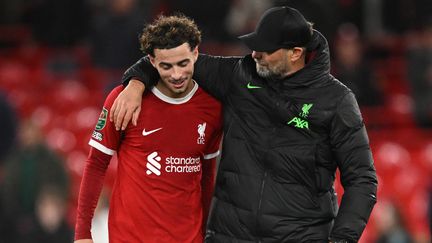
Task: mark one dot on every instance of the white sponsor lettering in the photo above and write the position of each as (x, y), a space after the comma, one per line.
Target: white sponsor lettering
(182, 165)
(173, 164)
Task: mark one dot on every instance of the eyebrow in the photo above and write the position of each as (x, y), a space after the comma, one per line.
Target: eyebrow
(170, 64)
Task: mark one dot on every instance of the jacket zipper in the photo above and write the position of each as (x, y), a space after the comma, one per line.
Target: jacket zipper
(258, 225)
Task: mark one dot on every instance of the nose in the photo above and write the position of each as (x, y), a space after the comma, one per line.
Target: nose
(177, 73)
(256, 54)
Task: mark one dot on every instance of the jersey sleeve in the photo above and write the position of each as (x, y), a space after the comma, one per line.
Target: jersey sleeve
(213, 147)
(90, 189)
(105, 137)
(104, 141)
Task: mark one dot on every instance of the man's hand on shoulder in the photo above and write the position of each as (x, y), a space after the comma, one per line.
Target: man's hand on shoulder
(127, 105)
(84, 241)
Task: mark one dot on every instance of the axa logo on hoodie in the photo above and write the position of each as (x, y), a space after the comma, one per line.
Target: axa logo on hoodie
(301, 122)
(172, 164)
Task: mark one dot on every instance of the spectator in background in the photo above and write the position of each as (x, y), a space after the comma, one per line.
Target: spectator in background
(400, 16)
(390, 226)
(325, 15)
(31, 168)
(351, 67)
(50, 218)
(243, 15)
(114, 35)
(7, 127)
(209, 15)
(419, 56)
(10, 11)
(7, 133)
(57, 23)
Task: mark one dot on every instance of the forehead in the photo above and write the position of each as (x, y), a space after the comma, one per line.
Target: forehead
(173, 55)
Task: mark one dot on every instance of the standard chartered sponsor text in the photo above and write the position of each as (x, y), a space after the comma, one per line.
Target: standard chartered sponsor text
(182, 165)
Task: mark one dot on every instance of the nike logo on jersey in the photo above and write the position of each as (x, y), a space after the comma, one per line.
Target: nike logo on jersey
(250, 86)
(144, 133)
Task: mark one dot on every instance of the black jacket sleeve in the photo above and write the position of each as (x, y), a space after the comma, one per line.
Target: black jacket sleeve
(350, 145)
(144, 71)
(215, 74)
(212, 73)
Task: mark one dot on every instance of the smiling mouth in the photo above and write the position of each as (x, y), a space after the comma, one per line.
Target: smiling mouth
(178, 84)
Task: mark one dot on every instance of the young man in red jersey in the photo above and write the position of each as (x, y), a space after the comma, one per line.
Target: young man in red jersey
(166, 164)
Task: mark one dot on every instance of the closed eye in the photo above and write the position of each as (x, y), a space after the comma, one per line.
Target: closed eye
(165, 66)
(183, 63)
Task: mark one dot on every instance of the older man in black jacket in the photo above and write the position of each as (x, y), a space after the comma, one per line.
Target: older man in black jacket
(289, 124)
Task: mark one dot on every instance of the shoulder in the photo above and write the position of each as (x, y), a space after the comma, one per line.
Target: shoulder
(347, 109)
(116, 91)
(334, 99)
(343, 94)
(207, 106)
(202, 96)
(332, 92)
(113, 95)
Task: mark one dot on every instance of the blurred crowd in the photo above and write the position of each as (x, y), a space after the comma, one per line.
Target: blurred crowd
(59, 57)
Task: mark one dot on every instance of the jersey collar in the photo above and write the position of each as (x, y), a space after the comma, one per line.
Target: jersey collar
(175, 101)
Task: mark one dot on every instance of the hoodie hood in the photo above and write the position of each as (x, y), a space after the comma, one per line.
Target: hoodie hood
(316, 72)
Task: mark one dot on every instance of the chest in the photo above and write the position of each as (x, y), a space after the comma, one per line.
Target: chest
(173, 128)
(298, 108)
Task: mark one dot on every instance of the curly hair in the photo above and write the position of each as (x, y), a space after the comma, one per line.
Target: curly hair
(167, 32)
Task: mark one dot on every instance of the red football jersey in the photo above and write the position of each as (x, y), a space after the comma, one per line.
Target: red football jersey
(157, 192)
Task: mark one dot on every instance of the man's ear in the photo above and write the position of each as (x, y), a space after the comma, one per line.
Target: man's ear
(152, 60)
(298, 52)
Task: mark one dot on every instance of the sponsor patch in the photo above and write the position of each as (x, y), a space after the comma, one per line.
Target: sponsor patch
(97, 135)
(102, 119)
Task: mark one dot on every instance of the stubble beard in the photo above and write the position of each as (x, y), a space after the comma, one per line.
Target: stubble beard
(262, 71)
(277, 72)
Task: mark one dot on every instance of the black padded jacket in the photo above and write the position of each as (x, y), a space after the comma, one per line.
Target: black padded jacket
(283, 141)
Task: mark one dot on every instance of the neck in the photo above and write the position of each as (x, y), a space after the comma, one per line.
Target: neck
(295, 68)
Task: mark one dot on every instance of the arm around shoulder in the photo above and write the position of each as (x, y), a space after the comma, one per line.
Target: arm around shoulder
(142, 71)
(127, 105)
(215, 73)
